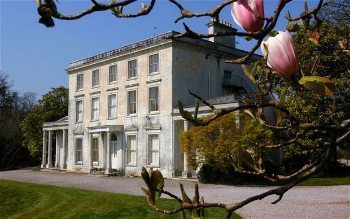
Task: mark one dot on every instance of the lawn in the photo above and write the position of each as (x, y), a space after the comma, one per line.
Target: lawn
(25, 200)
(331, 181)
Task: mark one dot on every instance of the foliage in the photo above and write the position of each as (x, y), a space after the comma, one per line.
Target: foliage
(324, 58)
(227, 142)
(337, 12)
(25, 200)
(52, 106)
(13, 107)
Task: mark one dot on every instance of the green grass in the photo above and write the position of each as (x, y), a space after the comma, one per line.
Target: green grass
(331, 181)
(25, 200)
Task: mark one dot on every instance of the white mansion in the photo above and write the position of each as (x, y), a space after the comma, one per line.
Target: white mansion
(123, 103)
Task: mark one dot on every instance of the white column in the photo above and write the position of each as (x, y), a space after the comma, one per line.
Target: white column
(90, 154)
(57, 157)
(43, 161)
(108, 153)
(63, 160)
(49, 151)
(186, 173)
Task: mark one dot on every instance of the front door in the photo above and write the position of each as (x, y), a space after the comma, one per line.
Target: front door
(117, 151)
(114, 147)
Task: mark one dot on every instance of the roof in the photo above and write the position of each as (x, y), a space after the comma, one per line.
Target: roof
(231, 98)
(124, 49)
(156, 40)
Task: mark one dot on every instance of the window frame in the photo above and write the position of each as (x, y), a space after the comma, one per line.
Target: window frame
(79, 84)
(129, 113)
(150, 72)
(226, 74)
(129, 151)
(134, 71)
(95, 151)
(150, 150)
(76, 111)
(93, 110)
(115, 74)
(109, 105)
(149, 99)
(95, 82)
(77, 161)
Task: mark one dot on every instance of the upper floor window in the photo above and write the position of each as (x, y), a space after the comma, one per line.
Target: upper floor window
(132, 68)
(95, 77)
(95, 102)
(153, 150)
(153, 63)
(227, 75)
(131, 150)
(80, 81)
(79, 111)
(112, 106)
(112, 73)
(153, 99)
(132, 102)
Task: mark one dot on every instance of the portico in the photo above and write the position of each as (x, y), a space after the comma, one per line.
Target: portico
(54, 155)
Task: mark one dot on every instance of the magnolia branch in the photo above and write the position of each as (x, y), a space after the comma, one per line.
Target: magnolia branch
(144, 11)
(222, 112)
(297, 177)
(213, 13)
(280, 178)
(313, 11)
(48, 9)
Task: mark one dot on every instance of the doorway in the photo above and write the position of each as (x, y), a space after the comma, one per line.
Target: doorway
(117, 151)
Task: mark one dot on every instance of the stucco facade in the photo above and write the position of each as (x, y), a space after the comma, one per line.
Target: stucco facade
(122, 119)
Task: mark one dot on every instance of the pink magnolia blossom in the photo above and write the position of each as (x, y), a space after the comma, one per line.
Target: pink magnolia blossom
(281, 54)
(248, 14)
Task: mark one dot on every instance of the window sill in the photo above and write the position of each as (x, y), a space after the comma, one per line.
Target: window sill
(96, 86)
(131, 165)
(112, 118)
(153, 113)
(79, 163)
(131, 79)
(153, 166)
(132, 115)
(112, 83)
(95, 120)
(79, 122)
(154, 73)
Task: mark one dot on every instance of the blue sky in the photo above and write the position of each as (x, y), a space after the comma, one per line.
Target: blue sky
(35, 57)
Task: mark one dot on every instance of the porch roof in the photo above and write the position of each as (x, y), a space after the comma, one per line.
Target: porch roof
(218, 102)
(106, 128)
(60, 124)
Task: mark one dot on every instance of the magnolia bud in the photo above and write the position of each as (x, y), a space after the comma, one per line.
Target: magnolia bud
(249, 14)
(281, 55)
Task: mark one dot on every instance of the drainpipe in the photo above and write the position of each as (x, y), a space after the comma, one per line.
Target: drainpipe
(209, 75)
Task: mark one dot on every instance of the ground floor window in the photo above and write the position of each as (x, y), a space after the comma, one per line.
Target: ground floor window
(95, 157)
(153, 150)
(131, 152)
(79, 151)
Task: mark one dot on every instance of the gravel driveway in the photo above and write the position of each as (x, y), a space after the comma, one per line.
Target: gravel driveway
(300, 202)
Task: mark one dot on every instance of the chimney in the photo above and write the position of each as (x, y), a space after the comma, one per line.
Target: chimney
(215, 26)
